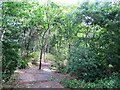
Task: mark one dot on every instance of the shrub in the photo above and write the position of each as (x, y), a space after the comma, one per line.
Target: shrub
(61, 68)
(112, 81)
(57, 61)
(84, 65)
(50, 57)
(22, 64)
(10, 58)
(34, 55)
(70, 83)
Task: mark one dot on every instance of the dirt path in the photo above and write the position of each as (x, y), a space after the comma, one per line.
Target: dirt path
(34, 78)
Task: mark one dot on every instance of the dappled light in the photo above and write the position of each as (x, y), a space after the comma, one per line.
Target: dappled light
(18, 71)
(60, 44)
(47, 70)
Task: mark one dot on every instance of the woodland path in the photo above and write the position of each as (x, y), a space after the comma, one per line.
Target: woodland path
(34, 78)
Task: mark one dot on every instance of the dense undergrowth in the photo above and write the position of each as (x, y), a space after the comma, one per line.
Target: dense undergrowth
(111, 81)
(81, 40)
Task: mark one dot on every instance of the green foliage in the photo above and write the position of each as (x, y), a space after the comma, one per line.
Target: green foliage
(113, 81)
(10, 43)
(61, 67)
(104, 39)
(97, 43)
(18, 34)
(9, 83)
(10, 58)
(87, 36)
(50, 57)
(22, 64)
(57, 62)
(70, 83)
(84, 65)
(34, 57)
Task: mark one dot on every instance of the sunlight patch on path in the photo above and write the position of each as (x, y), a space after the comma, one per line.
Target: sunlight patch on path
(47, 70)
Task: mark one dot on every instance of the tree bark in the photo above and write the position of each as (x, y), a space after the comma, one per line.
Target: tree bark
(45, 52)
(69, 47)
(41, 57)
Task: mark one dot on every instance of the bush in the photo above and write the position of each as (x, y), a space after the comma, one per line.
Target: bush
(70, 83)
(34, 57)
(57, 61)
(22, 64)
(84, 65)
(61, 67)
(112, 81)
(50, 57)
(10, 58)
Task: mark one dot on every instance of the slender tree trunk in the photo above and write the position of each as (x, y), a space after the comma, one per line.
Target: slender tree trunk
(42, 47)
(86, 37)
(69, 47)
(44, 42)
(44, 54)
(45, 48)
(41, 57)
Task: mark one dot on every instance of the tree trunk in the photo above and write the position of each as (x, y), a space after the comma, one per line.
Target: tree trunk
(44, 43)
(44, 54)
(41, 57)
(69, 47)
(41, 51)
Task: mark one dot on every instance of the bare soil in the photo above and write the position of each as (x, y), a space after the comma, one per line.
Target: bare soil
(34, 78)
